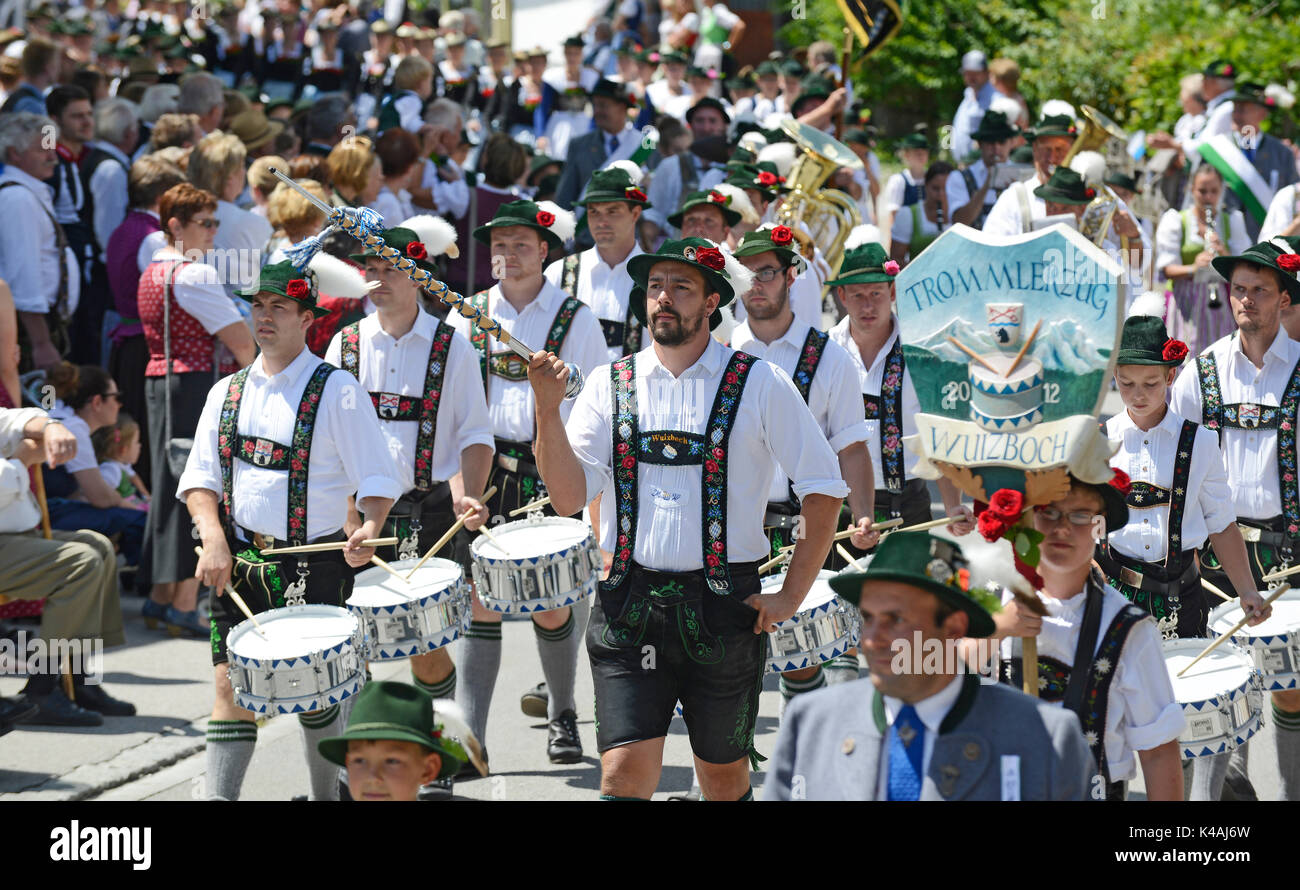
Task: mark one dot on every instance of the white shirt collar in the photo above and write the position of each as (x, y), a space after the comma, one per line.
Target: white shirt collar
(709, 363)
(794, 335)
(24, 178)
(1276, 350)
(289, 376)
(601, 264)
(1171, 424)
(424, 327)
(547, 299)
(932, 710)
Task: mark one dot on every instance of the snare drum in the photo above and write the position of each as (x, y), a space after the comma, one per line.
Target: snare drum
(309, 659)
(825, 627)
(1222, 697)
(548, 562)
(400, 619)
(1275, 644)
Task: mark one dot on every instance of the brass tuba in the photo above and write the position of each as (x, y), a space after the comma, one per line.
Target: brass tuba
(829, 214)
(1098, 131)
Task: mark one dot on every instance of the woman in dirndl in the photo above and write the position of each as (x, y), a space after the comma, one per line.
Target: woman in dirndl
(208, 337)
(1200, 314)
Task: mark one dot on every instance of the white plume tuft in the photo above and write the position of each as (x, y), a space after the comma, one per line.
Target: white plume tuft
(565, 223)
(863, 234)
(722, 333)
(780, 153)
(1053, 107)
(454, 723)
(1008, 106)
(739, 202)
(437, 235)
(994, 564)
(630, 168)
(335, 278)
(1149, 303)
(1091, 166)
(741, 278)
(753, 141)
(1280, 94)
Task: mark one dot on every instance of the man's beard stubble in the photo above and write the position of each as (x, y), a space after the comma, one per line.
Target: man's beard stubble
(674, 333)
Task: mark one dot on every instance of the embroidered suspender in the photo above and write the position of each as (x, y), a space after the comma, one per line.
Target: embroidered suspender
(271, 455)
(809, 360)
(507, 365)
(890, 410)
(422, 408)
(1178, 497)
(1096, 689)
(478, 337)
(680, 449)
(569, 276)
(625, 333)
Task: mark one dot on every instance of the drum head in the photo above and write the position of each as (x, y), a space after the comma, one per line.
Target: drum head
(377, 587)
(1223, 670)
(820, 594)
(531, 539)
(1284, 620)
(292, 632)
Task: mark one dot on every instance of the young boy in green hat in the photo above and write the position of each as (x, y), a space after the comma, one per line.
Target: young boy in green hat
(393, 744)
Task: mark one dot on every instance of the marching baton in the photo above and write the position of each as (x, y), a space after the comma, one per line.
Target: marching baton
(1236, 627)
(239, 601)
(364, 224)
(848, 557)
(1214, 590)
(330, 545)
(540, 502)
(460, 521)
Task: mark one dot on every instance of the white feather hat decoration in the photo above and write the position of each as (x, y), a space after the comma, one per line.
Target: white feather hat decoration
(741, 278)
(632, 170)
(1149, 303)
(565, 222)
(863, 234)
(780, 153)
(336, 278)
(739, 202)
(1090, 166)
(437, 235)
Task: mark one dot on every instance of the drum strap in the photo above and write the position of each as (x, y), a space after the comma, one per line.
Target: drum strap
(711, 450)
(1217, 416)
(230, 443)
(395, 407)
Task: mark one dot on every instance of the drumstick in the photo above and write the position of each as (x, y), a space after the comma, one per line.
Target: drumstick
(1282, 573)
(848, 532)
(496, 542)
(772, 563)
(848, 557)
(922, 526)
(972, 353)
(1023, 349)
(1281, 589)
(540, 502)
(1214, 590)
(456, 526)
(331, 545)
(389, 569)
(239, 601)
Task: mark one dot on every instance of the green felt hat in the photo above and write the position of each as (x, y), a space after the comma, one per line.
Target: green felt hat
(708, 102)
(613, 90)
(1270, 254)
(865, 264)
(283, 279)
(712, 198)
(929, 563)
(1053, 125)
(699, 253)
(613, 184)
(741, 158)
(408, 241)
(856, 134)
(550, 225)
(994, 127)
(397, 712)
(792, 68)
(1021, 154)
(575, 40)
(1114, 500)
(776, 239)
(1254, 93)
(673, 57)
(1120, 179)
(1066, 187)
(914, 140)
(1146, 342)
(1220, 68)
(761, 177)
(741, 82)
(814, 86)
(767, 68)
(701, 73)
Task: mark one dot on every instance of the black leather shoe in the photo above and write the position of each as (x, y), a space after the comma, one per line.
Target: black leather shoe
(94, 698)
(438, 789)
(14, 711)
(535, 701)
(54, 709)
(562, 742)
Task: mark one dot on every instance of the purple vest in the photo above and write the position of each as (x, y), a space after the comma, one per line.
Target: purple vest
(124, 273)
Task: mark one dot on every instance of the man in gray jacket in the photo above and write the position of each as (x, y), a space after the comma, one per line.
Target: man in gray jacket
(922, 727)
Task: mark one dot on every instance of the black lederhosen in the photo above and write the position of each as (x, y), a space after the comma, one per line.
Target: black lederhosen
(436, 513)
(664, 637)
(261, 582)
(514, 473)
(1273, 551)
(1172, 595)
(912, 505)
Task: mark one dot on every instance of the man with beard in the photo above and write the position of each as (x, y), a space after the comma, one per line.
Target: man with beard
(687, 542)
(1017, 207)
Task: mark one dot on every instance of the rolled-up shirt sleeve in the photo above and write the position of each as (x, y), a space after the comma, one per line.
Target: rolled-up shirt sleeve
(353, 428)
(846, 419)
(203, 468)
(12, 423)
(1215, 497)
(200, 293)
(792, 435)
(591, 433)
(1151, 714)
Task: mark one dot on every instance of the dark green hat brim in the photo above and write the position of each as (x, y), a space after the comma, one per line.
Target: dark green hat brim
(1142, 342)
(335, 748)
(1225, 264)
(761, 245)
(731, 216)
(1051, 194)
(849, 586)
(1141, 357)
(279, 291)
(483, 234)
(1114, 507)
(636, 300)
(396, 238)
(861, 278)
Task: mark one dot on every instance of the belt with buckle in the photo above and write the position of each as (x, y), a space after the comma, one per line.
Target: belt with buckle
(1271, 536)
(1148, 580)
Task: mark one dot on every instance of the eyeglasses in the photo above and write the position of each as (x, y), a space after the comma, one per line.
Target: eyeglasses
(208, 223)
(113, 395)
(1076, 517)
(766, 275)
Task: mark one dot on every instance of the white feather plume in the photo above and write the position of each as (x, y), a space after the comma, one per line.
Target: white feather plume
(1090, 166)
(1280, 94)
(631, 169)
(565, 223)
(1053, 107)
(993, 564)
(1007, 106)
(1149, 303)
(741, 278)
(722, 333)
(780, 153)
(336, 278)
(739, 202)
(863, 234)
(437, 235)
(454, 723)
(753, 141)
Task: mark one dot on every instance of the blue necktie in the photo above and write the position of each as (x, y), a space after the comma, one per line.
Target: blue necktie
(906, 749)
(613, 145)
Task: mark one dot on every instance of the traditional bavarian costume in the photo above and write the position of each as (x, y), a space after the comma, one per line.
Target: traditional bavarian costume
(961, 187)
(280, 483)
(587, 277)
(1178, 242)
(456, 84)
(686, 541)
(324, 71)
(1019, 206)
(915, 228)
(425, 389)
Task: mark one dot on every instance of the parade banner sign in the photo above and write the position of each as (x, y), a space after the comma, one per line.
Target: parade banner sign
(1010, 344)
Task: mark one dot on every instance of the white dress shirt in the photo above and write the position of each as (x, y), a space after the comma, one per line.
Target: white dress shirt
(666, 189)
(510, 403)
(771, 426)
(1006, 217)
(870, 380)
(1281, 210)
(932, 712)
(1141, 711)
(239, 249)
(400, 367)
(604, 289)
(152, 243)
(29, 253)
(660, 95)
(901, 231)
(108, 189)
(199, 292)
(18, 509)
(85, 456)
(1250, 456)
(1149, 456)
(1231, 226)
(958, 193)
(1218, 122)
(345, 442)
(392, 207)
(896, 187)
(969, 114)
(833, 398)
(451, 199)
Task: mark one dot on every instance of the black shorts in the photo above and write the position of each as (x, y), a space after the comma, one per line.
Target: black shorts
(434, 514)
(262, 585)
(663, 637)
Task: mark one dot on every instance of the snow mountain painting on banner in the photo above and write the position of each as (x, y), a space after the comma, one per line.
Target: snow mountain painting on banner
(1010, 344)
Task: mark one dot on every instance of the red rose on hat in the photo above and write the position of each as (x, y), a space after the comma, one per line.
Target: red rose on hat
(711, 257)
(718, 198)
(545, 218)
(1121, 482)
(766, 178)
(1174, 351)
(415, 250)
(992, 526)
(297, 289)
(890, 267)
(1227, 69)
(1090, 193)
(1289, 261)
(781, 235)
(632, 193)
